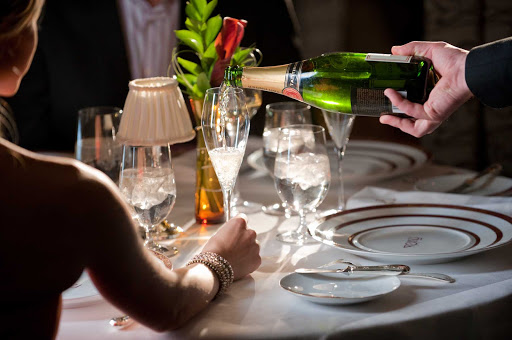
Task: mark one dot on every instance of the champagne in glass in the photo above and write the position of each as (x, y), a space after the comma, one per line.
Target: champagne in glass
(301, 174)
(253, 100)
(225, 124)
(278, 115)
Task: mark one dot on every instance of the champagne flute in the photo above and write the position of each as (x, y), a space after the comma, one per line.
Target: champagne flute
(339, 126)
(253, 100)
(301, 174)
(278, 115)
(225, 123)
(96, 143)
(147, 182)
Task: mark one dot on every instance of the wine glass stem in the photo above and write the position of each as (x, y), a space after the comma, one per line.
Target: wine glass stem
(341, 189)
(149, 241)
(227, 203)
(303, 227)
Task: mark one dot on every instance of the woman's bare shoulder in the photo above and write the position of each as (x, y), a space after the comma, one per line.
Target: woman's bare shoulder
(59, 181)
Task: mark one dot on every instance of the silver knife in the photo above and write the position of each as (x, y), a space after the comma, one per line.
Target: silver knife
(390, 269)
(378, 270)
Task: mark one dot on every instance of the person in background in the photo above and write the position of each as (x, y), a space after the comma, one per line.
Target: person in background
(485, 72)
(60, 217)
(90, 50)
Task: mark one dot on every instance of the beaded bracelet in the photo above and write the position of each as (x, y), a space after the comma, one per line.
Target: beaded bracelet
(219, 265)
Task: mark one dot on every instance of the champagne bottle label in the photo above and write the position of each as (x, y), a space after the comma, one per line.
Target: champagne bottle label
(372, 102)
(389, 58)
(292, 81)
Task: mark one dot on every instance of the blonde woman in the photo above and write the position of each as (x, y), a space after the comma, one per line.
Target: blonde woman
(59, 217)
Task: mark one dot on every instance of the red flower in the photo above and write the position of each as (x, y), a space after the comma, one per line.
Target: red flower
(226, 43)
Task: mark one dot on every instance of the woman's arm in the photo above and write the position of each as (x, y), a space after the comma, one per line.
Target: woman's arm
(134, 280)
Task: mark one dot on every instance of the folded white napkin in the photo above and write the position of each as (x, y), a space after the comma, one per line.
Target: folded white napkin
(376, 196)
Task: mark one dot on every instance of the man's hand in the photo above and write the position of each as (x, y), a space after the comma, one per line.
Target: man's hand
(447, 96)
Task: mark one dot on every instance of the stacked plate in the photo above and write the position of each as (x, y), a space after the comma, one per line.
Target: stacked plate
(414, 233)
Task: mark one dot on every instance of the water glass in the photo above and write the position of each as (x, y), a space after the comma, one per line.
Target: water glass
(301, 174)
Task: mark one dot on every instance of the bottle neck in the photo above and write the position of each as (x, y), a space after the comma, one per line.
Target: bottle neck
(233, 76)
(271, 78)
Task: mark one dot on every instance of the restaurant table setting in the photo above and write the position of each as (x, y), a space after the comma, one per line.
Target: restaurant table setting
(387, 222)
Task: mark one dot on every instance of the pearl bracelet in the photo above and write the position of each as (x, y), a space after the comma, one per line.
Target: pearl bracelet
(219, 265)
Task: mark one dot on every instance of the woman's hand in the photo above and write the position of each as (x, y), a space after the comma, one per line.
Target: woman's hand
(447, 96)
(237, 244)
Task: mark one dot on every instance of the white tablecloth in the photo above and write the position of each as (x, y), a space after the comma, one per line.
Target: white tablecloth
(476, 306)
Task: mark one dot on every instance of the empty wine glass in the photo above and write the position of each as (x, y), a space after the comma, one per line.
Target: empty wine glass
(278, 115)
(253, 100)
(225, 124)
(96, 143)
(301, 174)
(339, 126)
(147, 182)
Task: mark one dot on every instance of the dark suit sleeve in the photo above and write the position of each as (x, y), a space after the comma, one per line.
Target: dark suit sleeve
(489, 73)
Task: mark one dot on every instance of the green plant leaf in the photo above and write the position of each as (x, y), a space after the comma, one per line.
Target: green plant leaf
(200, 6)
(193, 25)
(240, 56)
(191, 12)
(203, 83)
(213, 26)
(210, 53)
(190, 66)
(191, 39)
(209, 9)
(188, 81)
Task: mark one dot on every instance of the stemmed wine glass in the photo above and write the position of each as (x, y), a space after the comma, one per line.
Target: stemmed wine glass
(147, 182)
(253, 101)
(339, 126)
(225, 123)
(278, 115)
(96, 143)
(301, 174)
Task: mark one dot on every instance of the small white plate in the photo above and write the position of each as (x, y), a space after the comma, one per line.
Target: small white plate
(337, 289)
(445, 183)
(81, 294)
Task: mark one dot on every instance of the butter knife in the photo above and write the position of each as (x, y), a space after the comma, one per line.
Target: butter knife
(376, 271)
(390, 269)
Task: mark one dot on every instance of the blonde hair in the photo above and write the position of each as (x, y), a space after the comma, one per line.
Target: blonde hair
(17, 15)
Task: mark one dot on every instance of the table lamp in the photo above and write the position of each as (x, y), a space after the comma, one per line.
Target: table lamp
(155, 113)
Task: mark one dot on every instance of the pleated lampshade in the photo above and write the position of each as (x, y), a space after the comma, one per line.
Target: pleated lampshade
(155, 114)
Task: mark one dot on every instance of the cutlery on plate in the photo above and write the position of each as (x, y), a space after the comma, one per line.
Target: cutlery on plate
(491, 171)
(393, 269)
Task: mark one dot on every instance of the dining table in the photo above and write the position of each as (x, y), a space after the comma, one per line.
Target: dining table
(476, 306)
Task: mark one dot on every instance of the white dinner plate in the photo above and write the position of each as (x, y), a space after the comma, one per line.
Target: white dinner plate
(368, 160)
(414, 233)
(338, 289)
(81, 294)
(499, 186)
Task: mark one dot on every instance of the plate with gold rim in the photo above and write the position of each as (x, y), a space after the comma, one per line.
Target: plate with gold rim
(414, 233)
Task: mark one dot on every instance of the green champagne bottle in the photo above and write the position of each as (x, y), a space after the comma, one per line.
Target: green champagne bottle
(352, 83)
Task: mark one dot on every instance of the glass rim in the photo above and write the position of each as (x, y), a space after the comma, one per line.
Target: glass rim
(100, 110)
(315, 128)
(217, 89)
(287, 106)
